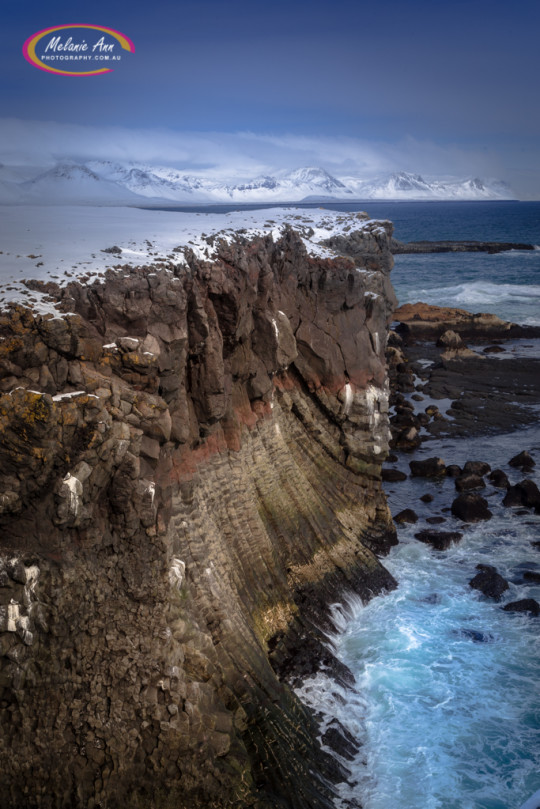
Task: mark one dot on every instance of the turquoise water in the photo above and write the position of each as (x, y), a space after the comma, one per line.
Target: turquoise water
(451, 718)
(447, 705)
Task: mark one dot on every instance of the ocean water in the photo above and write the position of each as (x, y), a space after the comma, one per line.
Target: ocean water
(447, 699)
(506, 284)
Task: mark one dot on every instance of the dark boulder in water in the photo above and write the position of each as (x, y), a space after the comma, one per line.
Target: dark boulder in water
(471, 508)
(427, 498)
(499, 479)
(523, 459)
(467, 482)
(475, 635)
(532, 576)
(489, 582)
(393, 475)
(476, 468)
(529, 605)
(440, 540)
(524, 493)
(435, 520)
(429, 468)
(406, 516)
(453, 471)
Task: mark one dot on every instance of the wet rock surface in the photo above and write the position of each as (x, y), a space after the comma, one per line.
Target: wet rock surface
(440, 540)
(489, 582)
(528, 605)
(191, 474)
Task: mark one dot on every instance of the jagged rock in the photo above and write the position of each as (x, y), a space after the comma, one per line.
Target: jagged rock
(489, 582)
(471, 508)
(450, 339)
(529, 605)
(406, 516)
(465, 483)
(440, 540)
(428, 468)
(523, 459)
(499, 479)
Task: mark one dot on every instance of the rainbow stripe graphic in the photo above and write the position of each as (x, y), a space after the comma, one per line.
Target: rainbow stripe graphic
(29, 49)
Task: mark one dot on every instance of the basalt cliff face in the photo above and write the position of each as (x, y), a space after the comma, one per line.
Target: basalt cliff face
(190, 474)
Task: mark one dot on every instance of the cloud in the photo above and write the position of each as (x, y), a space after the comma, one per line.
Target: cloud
(247, 154)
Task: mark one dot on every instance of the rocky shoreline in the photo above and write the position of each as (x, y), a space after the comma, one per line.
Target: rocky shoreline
(443, 389)
(400, 248)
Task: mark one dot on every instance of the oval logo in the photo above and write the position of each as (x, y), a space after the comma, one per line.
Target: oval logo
(77, 50)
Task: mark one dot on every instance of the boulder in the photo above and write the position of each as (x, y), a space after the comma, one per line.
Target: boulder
(406, 516)
(429, 468)
(465, 483)
(476, 468)
(393, 475)
(522, 459)
(453, 471)
(525, 493)
(529, 605)
(532, 576)
(489, 582)
(435, 520)
(499, 479)
(427, 498)
(440, 540)
(471, 508)
(450, 339)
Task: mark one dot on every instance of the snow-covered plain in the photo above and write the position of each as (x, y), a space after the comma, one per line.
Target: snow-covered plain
(64, 243)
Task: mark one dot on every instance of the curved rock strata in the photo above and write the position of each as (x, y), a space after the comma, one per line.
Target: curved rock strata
(190, 466)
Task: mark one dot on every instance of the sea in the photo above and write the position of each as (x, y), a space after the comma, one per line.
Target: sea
(446, 705)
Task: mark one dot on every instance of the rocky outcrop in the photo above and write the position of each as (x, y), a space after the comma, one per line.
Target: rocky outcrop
(423, 321)
(457, 247)
(191, 473)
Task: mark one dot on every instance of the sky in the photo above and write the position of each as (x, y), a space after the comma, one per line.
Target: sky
(241, 88)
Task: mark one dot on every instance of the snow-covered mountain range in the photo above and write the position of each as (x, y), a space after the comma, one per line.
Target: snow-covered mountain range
(115, 183)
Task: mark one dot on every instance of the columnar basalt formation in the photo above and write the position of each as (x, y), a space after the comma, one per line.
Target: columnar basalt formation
(190, 474)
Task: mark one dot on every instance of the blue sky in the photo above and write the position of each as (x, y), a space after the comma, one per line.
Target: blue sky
(434, 87)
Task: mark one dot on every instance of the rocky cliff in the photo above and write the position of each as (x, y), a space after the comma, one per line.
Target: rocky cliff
(190, 474)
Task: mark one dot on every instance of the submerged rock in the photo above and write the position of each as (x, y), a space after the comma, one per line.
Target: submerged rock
(475, 635)
(489, 582)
